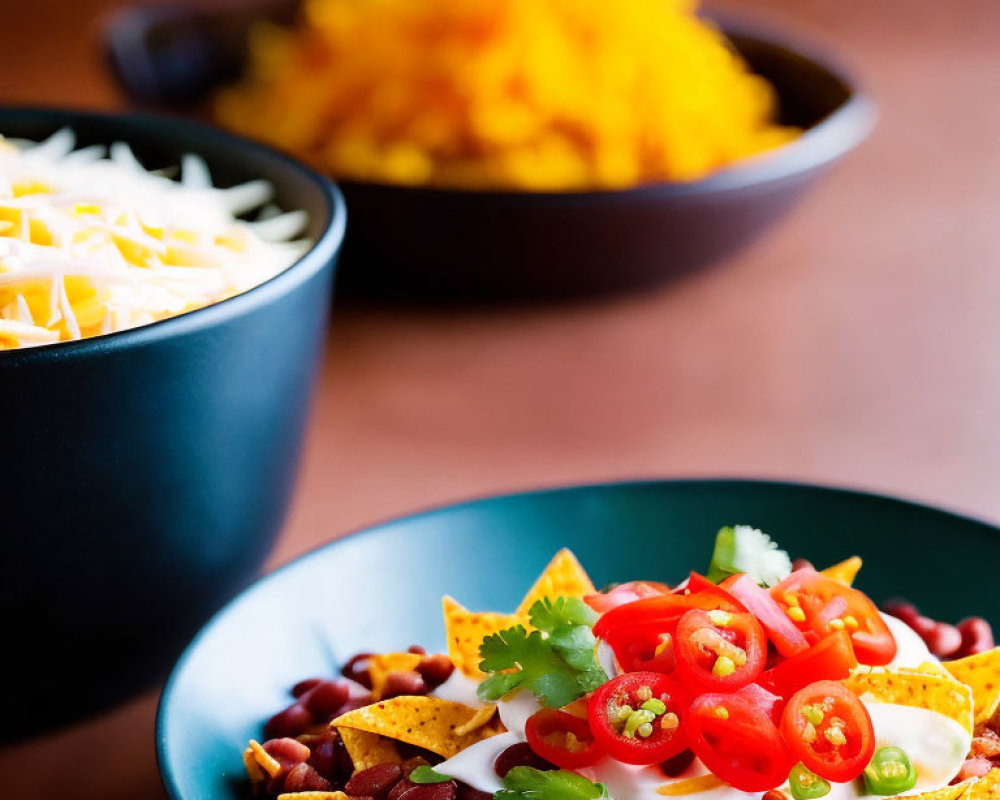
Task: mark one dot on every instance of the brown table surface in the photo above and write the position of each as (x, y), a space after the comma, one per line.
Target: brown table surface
(857, 344)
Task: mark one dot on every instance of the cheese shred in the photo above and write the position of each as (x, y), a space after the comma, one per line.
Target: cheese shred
(93, 243)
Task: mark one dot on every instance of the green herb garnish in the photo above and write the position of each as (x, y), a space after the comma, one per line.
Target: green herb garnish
(745, 549)
(527, 783)
(425, 774)
(557, 661)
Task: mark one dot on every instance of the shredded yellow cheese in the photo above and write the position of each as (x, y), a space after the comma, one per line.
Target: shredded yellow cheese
(92, 243)
(505, 94)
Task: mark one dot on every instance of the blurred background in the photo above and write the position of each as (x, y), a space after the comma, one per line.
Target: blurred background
(853, 344)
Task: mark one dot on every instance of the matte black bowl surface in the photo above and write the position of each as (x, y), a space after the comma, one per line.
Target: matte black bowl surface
(145, 474)
(435, 244)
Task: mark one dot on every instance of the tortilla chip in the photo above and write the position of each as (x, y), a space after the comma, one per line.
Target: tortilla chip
(266, 761)
(982, 673)
(427, 722)
(313, 796)
(945, 792)
(254, 770)
(934, 692)
(369, 749)
(466, 630)
(927, 668)
(381, 664)
(845, 572)
(702, 783)
(987, 787)
(563, 577)
(480, 718)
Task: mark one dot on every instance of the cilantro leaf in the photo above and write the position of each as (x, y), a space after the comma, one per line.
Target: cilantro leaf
(557, 661)
(527, 783)
(426, 774)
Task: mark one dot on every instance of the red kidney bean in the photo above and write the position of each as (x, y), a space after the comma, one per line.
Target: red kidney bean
(400, 683)
(302, 687)
(325, 698)
(404, 784)
(674, 767)
(375, 781)
(519, 755)
(355, 702)
(466, 792)
(291, 722)
(802, 563)
(416, 649)
(357, 670)
(943, 639)
(977, 636)
(426, 791)
(286, 752)
(435, 669)
(303, 778)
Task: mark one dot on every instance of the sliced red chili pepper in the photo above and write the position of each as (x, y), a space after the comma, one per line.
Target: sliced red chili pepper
(638, 717)
(823, 605)
(831, 659)
(719, 651)
(788, 640)
(738, 742)
(563, 739)
(829, 730)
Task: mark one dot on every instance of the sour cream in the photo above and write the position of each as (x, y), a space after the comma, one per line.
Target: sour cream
(910, 648)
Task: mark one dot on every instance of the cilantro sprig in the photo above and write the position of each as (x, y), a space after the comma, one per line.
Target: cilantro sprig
(556, 661)
(527, 783)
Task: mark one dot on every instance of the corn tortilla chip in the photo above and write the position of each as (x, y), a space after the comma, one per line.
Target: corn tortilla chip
(466, 630)
(480, 718)
(982, 673)
(945, 792)
(927, 668)
(845, 572)
(987, 787)
(381, 664)
(563, 577)
(934, 692)
(427, 722)
(368, 749)
(266, 761)
(702, 783)
(313, 796)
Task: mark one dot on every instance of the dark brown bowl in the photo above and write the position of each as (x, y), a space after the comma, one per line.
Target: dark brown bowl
(441, 244)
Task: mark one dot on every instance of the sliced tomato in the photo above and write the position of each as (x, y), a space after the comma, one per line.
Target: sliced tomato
(719, 651)
(827, 605)
(638, 717)
(831, 659)
(829, 730)
(563, 739)
(738, 741)
(663, 611)
(788, 640)
(625, 593)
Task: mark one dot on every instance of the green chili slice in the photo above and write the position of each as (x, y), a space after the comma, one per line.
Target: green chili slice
(890, 772)
(805, 784)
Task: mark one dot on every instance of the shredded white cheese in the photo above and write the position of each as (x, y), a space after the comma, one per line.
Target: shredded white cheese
(92, 243)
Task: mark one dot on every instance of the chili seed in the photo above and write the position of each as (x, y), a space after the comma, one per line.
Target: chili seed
(654, 705)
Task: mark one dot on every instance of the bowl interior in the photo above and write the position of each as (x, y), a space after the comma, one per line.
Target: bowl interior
(382, 589)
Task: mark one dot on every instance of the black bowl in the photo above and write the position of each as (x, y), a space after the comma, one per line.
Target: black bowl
(420, 243)
(441, 244)
(380, 590)
(145, 474)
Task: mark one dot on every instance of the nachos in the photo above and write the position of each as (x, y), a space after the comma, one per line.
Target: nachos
(753, 680)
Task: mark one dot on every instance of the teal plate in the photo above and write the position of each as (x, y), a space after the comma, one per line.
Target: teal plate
(381, 589)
